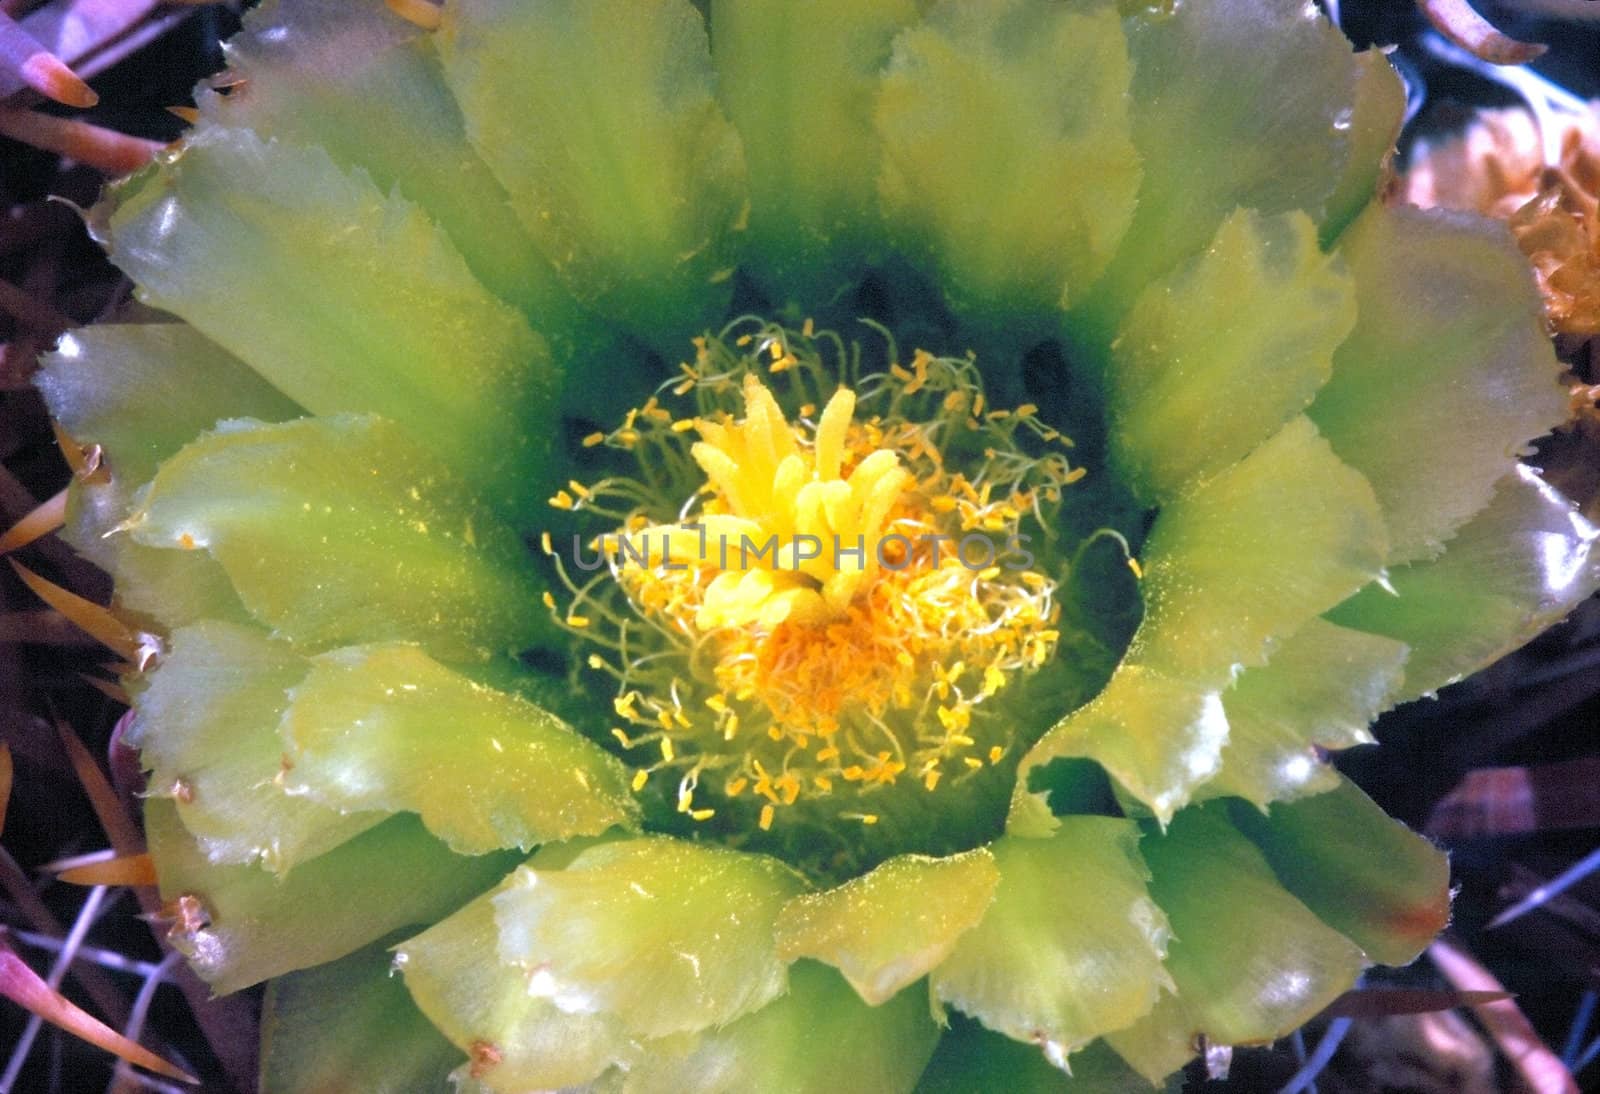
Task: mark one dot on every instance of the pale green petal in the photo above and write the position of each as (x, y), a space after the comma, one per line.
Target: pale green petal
(1448, 373)
(810, 146)
(1072, 945)
(337, 530)
(1235, 104)
(666, 936)
(888, 928)
(1216, 356)
(1375, 121)
(1323, 687)
(141, 392)
(516, 1041)
(1008, 164)
(350, 77)
(818, 1038)
(1241, 562)
(255, 925)
(1363, 873)
(598, 118)
(144, 390)
(1250, 961)
(1513, 570)
(206, 722)
(349, 1025)
(343, 297)
(389, 728)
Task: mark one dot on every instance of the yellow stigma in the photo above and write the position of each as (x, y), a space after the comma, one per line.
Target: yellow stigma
(837, 601)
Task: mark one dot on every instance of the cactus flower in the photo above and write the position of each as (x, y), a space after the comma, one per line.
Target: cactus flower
(805, 547)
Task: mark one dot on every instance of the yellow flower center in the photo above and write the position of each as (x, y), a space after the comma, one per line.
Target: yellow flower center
(837, 602)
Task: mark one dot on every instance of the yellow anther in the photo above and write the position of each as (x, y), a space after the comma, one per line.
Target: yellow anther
(1138, 571)
(594, 440)
(562, 500)
(640, 777)
(767, 813)
(667, 753)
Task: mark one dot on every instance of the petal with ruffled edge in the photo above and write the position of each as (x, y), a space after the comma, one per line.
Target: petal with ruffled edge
(514, 1040)
(350, 78)
(1248, 968)
(246, 925)
(1514, 569)
(1216, 356)
(888, 928)
(1447, 374)
(598, 118)
(206, 722)
(1365, 874)
(1008, 165)
(1072, 945)
(810, 146)
(337, 530)
(343, 297)
(363, 732)
(1244, 560)
(663, 935)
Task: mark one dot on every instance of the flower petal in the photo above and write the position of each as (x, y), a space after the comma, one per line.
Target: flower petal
(1242, 561)
(1248, 968)
(1008, 164)
(1235, 104)
(811, 150)
(336, 530)
(388, 728)
(1072, 945)
(1375, 121)
(1216, 356)
(248, 925)
(349, 1025)
(343, 298)
(1367, 876)
(599, 120)
(1447, 374)
(515, 1040)
(667, 936)
(888, 928)
(350, 78)
(1510, 572)
(1321, 690)
(144, 390)
(206, 727)
(818, 1038)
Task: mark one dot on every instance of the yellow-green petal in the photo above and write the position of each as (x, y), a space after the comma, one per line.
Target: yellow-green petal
(388, 728)
(798, 83)
(1240, 562)
(1323, 687)
(1365, 874)
(1072, 945)
(890, 927)
(663, 935)
(344, 297)
(598, 118)
(350, 77)
(252, 925)
(340, 530)
(516, 1041)
(1008, 164)
(1375, 121)
(1514, 569)
(206, 724)
(349, 1025)
(1217, 355)
(817, 1038)
(1250, 962)
(1448, 373)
